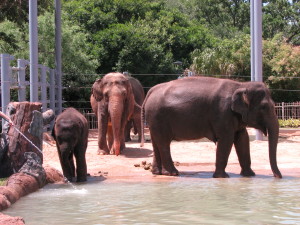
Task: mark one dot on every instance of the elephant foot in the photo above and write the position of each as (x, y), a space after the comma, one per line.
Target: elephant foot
(102, 152)
(247, 173)
(173, 172)
(220, 174)
(156, 171)
(81, 179)
(69, 179)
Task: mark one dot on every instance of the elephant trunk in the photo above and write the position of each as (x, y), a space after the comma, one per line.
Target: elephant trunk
(116, 109)
(273, 133)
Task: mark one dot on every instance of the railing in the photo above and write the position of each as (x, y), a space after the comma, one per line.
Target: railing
(287, 111)
(91, 118)
(15, 79)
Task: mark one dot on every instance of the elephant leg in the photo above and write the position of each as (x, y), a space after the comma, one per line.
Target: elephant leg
(138, 127)
(110, 138)
(81, 169)
(127, 131)
(224, 146)
(72, 165)
(102, 130)
(163, 154)
(122, 137)
(65, 162)
(156, 164)
(242, 146)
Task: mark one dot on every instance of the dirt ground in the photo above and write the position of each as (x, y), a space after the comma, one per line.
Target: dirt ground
(193, 159)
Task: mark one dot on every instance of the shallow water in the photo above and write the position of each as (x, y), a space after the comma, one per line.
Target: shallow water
(184, 201)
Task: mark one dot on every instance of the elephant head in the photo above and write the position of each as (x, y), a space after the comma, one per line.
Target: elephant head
(253, 102)
(114, 93)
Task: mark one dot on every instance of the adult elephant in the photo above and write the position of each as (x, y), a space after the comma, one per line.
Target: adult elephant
(218, 109)
(70, 132)
(135, 121)
(112, 101)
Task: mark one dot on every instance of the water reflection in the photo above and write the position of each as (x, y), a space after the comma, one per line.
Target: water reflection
(185, 201)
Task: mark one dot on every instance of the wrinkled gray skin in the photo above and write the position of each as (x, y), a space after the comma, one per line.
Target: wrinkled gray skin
(112, 101)
(135, 121)
(70, 132)
(218, 109)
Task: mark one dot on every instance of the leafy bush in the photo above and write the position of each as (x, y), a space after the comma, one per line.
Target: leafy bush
(294, 123)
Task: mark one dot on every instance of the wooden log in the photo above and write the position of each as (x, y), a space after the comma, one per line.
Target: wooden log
(27, 118)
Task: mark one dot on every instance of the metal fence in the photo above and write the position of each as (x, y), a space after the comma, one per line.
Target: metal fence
(16, 79)
(287, 111)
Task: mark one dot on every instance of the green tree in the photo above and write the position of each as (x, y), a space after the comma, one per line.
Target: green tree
(139, 36)
(228, 57)
(221, 16)
(76, 61)
(17, 12)
(282, 62)
(282, 16)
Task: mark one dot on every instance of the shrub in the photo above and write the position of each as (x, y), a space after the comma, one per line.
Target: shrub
(293, 123)
(2, 181)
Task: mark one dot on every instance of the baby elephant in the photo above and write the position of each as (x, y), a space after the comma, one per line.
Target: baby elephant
(70, 132)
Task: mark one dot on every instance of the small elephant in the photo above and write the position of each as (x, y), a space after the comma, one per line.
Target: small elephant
(218, 109)
(135, 121)
(112, 100)
(70, 132)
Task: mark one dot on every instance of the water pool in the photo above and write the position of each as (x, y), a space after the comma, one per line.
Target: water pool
(184, 201)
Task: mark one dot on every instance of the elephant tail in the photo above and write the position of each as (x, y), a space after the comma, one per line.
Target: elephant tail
(137, 105)
(142, 126)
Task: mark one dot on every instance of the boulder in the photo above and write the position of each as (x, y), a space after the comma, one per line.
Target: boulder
(9, 220)
(54, 176)
(22, 183)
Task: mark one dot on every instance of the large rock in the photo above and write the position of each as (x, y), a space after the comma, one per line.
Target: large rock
(22, 183)
(54, 176)
(33, 166)
(9, 220)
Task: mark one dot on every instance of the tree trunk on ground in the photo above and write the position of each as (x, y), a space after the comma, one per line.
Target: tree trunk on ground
(27, 118)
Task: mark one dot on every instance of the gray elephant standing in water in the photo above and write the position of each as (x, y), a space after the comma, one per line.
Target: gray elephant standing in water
(70, 132)
(218, 109)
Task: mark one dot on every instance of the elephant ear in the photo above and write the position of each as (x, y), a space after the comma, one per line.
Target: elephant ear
(97, 90)
(240, 103)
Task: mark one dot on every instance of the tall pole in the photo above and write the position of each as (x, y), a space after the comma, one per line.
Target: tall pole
(5, 81)
(33, 46)
(58, 55)
(256, 46)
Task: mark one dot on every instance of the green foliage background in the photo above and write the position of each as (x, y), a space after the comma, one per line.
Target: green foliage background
(210, 37)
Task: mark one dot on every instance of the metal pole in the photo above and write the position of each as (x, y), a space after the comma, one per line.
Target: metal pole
(21, 79)
(52, 89)
(252, 40)
(58, 64)
(44, 87)
(33, 45)
(5, 81)
(258, 40)
(256, 46)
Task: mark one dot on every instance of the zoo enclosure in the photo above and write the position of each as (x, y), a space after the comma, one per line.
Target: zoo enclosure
(15, 82)
(287, 111)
